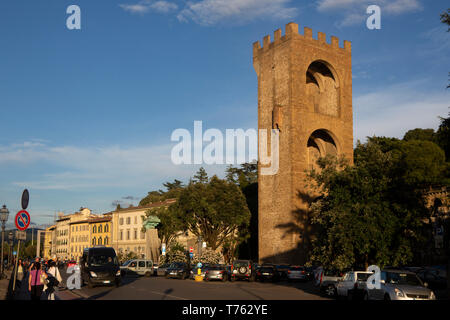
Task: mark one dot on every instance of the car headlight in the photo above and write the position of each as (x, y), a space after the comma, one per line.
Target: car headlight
(93, 275)
(118, 273)
(399, 293)
(432, 296)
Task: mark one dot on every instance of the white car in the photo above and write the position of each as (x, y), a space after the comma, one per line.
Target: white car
(354, 284)
(399, 285)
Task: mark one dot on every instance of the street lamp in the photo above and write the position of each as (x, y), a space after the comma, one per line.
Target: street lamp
(10, 238)
(4, 212)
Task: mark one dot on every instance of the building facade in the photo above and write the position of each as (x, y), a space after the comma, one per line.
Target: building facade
(49, 242)
(100, 231)
(128, 235)
(304, 91)
(62, 237)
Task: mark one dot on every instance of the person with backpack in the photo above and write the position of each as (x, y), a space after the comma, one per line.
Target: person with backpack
(54, 279)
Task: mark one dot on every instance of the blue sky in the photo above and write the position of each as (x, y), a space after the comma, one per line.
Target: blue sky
(86, 115)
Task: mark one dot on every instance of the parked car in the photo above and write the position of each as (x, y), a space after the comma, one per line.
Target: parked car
(155, 269)
(161, 271)
(309, 273)
(297, 273)
(353, 285)
(99, 266)
(267, 272)
(432, 277)
(137, 267)
(327, 280)
(180, 270)
(399, 285)
(282, 270)
(216, 272)
(71, 263)
(243, 269)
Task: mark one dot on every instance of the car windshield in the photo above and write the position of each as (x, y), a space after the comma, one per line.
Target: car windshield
(126, 263)
(403, 279)
(266, 269)
(103, 260)
(296, 269)
(363, 276)
(238, 264)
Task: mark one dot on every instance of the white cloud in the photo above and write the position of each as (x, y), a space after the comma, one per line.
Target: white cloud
(354, 10)
(398, 108)
(145, 6)
(211, 12)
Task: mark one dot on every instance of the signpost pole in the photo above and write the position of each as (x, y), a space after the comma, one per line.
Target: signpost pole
(15, 268)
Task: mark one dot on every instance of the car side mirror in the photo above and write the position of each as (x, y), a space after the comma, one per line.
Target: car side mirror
(425, 284)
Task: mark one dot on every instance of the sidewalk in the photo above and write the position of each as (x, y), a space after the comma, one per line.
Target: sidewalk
(4, 284)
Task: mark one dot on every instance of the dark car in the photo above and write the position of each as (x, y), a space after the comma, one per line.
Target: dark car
(243, 269)
(100, 266)
(267, 273)
(433, 279)
(178, 270)
(282, 270)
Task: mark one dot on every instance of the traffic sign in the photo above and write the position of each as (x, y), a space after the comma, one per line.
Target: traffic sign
(21, 235)
(25, 199)
(22, 220)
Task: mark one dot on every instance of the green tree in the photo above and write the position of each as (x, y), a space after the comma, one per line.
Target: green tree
(171, 223)
(420, 134)
(215, 210)
(443, 136)
(173, 191)
(201, 176)
(373, 212)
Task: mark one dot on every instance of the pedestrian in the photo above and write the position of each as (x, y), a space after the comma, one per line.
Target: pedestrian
(36, 281)
(36, 260)
(54, 278)
(20, 273)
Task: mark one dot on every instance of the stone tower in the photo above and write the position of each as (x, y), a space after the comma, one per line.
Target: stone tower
(305, 91)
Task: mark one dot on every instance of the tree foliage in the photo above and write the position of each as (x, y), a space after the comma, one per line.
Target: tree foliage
(171, 223)
(373, 212)
(173, 190)
(214, 209)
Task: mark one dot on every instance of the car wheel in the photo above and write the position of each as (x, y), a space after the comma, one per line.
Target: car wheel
(117, 283)
(366, 296)
(224, 278)
(330, 291)
(251, 279)
(387, 297)
(90, 284)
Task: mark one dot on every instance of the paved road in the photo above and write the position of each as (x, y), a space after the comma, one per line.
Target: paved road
(159, 288)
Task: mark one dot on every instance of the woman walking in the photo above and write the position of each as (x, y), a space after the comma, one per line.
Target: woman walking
(36, 281)
(20, 273)
(54, 278)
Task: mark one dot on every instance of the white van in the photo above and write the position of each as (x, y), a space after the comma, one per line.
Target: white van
(137, 267)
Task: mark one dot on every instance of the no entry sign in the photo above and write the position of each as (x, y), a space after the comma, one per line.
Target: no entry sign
(22, 220)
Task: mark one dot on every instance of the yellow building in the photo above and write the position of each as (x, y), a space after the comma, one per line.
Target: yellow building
(100, 231)
(49, 242)
(79, 238)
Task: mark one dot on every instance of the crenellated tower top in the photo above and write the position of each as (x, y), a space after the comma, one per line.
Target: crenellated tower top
(292, 33)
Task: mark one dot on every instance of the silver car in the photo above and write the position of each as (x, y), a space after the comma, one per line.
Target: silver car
(400, 285)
